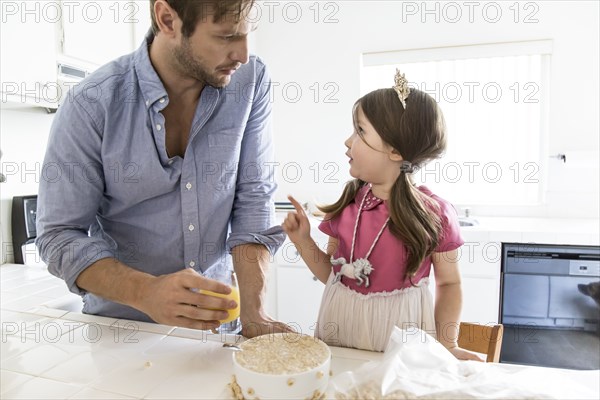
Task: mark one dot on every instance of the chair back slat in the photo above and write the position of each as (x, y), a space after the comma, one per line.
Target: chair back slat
(481, 339)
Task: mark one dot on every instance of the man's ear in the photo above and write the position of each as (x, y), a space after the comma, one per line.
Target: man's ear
(395, 155)
(165, 18)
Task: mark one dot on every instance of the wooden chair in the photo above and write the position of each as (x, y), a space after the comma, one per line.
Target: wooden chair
(481, 339)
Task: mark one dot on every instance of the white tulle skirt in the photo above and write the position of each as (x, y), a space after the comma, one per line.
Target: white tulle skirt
(365, 321)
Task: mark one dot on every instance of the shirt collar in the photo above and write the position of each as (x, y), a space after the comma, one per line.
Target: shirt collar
(370, 202)
(150, 83)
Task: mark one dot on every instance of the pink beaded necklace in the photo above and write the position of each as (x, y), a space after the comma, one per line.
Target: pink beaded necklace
(361, 268)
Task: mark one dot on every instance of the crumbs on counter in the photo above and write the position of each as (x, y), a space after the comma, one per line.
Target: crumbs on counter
(236, 390)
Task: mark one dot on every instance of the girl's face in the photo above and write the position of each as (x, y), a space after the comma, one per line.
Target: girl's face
(371, 159)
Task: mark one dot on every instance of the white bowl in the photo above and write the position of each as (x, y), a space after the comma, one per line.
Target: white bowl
(282, 366)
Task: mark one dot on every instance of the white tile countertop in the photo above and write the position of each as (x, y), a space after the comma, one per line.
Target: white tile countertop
(567, 231)
(50, 350)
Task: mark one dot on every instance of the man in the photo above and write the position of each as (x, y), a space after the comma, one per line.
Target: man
(157, 169)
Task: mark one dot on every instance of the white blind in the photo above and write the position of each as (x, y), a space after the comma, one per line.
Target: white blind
(495, 109)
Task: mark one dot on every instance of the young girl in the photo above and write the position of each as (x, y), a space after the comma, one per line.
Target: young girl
(385, 232)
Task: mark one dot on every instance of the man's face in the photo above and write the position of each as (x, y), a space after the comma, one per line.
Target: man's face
(214, 51)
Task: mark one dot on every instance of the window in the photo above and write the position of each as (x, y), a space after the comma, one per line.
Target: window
(495, 102)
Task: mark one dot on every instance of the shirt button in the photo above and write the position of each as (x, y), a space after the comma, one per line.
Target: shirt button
(192, 264)
(158, 127)
(188, 186)
(191, 227)
(147, 102)
(170, 162)
(162, 100)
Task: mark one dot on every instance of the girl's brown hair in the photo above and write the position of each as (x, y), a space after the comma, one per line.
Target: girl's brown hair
(418, 133)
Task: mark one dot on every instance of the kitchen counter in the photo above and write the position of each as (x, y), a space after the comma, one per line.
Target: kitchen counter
(569, 231)
(51, 350)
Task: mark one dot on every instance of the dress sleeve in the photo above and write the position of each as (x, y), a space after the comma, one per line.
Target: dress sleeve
(451, 238)
(329, 227)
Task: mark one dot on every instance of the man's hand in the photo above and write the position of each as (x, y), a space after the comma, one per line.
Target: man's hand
(263, 325)
(173, 300)
(251, 262)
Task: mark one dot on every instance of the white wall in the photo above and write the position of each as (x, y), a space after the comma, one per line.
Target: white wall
(23, 138)
(304, 52)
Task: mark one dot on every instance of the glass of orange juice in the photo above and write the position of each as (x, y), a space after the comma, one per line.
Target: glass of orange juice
(232, 323)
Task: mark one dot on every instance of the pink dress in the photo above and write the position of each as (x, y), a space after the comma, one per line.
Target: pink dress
(353, 315)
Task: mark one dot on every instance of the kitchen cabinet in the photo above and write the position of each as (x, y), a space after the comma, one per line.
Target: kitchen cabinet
(27, 57)
(480, 294)
(298, 297)
(100, 31)
(479, 263)
(480, 300)
(297, 292)
(36, 36)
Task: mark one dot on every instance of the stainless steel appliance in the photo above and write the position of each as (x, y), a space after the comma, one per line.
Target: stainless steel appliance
(24, 210)
(550, 305)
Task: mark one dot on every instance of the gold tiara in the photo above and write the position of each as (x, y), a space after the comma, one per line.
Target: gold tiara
(401, 87)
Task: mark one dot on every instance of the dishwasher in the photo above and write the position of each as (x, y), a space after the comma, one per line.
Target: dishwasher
(550, 305)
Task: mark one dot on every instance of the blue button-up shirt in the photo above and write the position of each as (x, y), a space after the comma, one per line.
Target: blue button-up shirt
(109, 188)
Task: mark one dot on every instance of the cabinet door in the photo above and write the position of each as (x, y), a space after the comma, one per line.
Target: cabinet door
(479, 263)
(480, 300)
(100, 31)
(28, 53)
(480, 281)
(298, 297)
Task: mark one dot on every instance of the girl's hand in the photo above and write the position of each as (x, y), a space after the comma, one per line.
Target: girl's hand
(463, 354)
(296, 224)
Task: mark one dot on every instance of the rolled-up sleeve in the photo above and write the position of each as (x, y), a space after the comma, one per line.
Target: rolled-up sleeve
(70, 192)
(253, 217)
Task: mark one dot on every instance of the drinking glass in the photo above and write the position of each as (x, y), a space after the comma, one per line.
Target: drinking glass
(233, 326)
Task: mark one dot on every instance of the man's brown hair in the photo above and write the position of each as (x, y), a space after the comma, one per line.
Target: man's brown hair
(193, 11)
